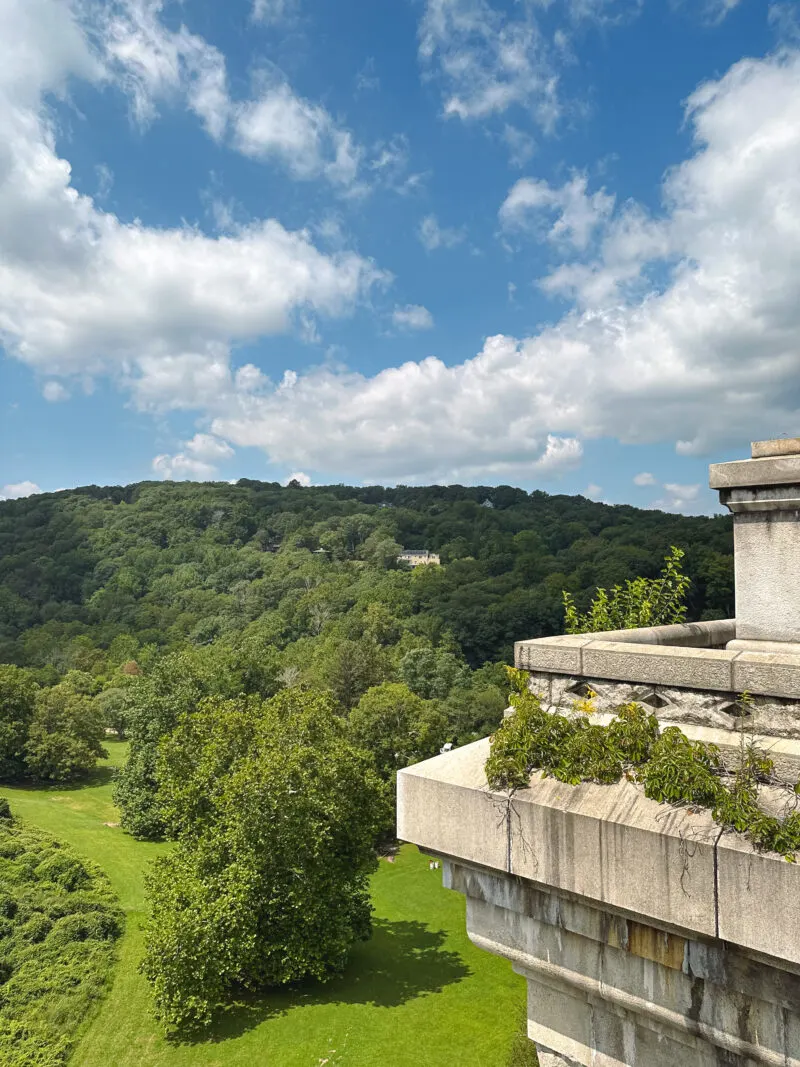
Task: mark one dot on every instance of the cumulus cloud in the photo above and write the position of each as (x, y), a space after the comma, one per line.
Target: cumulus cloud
(578, 213)
(705, 358)
(196, 461)
(300, 477)
(17, 490)
(433, 236)
(279, 124)
(645, 478)
(84, 294)
(678, 498)
(412, 317)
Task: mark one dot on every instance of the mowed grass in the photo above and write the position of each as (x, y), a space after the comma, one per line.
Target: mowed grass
(419, 993)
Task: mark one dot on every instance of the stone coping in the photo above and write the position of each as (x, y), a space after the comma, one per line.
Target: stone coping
(771, 470)
(607, 844)
(682, 656)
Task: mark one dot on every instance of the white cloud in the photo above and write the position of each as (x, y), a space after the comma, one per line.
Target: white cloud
(197, 460)
(521, 146)
(717, 10)
(412, 317)
(299, 476)
(15, 491)
(207, 446)
(303, 136)
(84, 294)
(594, 492)
(706, 358)
(578, 212)
(54, 391)
(487, 60)
(434, 236)
(152, 62)
(678, 498)
(273, 12)
(645, 478)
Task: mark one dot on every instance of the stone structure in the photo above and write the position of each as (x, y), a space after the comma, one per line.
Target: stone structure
(648, 937)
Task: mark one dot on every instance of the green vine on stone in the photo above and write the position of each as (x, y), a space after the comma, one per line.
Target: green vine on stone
(669, 766)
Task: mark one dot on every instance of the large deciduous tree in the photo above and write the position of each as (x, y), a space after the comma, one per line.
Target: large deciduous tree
(275, 814)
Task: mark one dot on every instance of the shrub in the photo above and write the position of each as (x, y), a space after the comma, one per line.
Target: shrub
(58, 929)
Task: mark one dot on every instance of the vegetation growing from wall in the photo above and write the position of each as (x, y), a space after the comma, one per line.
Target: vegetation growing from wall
(639, 602)
(59, 922)
(275, 815)
(669, 766)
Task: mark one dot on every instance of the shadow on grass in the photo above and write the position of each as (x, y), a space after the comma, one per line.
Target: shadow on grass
(97, 777)
(401, 961)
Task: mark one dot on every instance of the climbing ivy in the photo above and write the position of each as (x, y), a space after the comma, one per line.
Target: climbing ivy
(671, 768)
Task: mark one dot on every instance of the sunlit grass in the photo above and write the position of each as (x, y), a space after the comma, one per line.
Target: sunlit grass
(418, 993)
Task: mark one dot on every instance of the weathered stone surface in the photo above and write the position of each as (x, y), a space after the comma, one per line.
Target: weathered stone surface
(759, 900)
(775, 675)
(550, 654)
(690, 667)
(772, 470)
(604, 989)
(444, 804)
(610, 844)
(766, 553)
(778, 648)
(779, 446)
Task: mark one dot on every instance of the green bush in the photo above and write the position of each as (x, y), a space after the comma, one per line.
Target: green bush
(59, 922)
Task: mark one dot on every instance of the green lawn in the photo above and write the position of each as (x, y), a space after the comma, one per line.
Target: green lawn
(417, 994)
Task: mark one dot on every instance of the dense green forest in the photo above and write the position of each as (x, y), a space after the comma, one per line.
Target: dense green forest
(263, 645)
(94, 576)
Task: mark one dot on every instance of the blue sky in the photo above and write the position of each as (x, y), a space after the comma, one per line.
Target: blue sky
(551, 243)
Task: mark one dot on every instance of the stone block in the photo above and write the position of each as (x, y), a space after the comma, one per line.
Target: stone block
(764, 674)
(445, 805)
(779, 446)
(559, 654)
(777, 648)
(771, 470)
(612, 845)
(767, 549)
(759, 899)
(694, 668)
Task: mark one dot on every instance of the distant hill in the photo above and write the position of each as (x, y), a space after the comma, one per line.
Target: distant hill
(166, 563)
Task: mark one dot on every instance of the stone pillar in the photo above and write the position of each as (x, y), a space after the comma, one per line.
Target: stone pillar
(764, 495)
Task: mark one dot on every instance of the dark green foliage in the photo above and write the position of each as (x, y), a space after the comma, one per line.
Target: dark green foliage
(17, 701)
(397, 727)
(65, 738)
(681, 771)
(59, 922)
(165, 563)
(275, 815)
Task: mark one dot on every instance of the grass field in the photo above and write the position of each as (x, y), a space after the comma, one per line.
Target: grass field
(417, 994)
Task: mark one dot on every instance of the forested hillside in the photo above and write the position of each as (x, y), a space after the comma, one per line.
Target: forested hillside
(92, 577)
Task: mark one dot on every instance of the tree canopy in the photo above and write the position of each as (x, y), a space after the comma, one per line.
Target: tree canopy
(275, 814)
